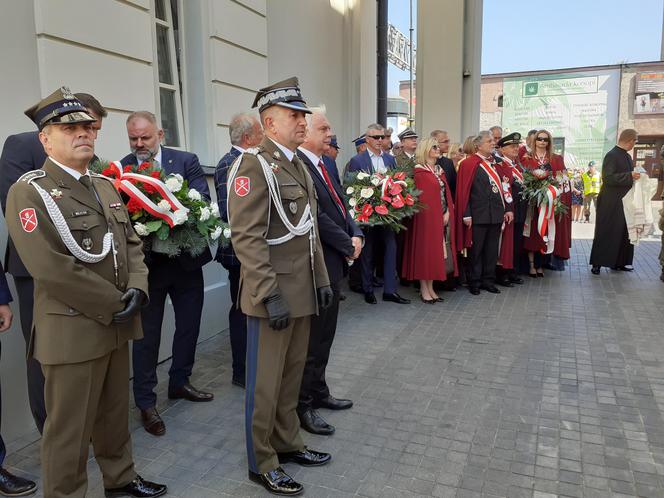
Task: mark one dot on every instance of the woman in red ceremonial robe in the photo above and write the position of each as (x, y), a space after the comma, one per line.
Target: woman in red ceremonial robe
(542, 157)
(424, 249)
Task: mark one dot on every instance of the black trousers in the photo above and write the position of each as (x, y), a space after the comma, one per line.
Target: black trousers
(323, 327)
(25, 288)
(484, 254)
(185, 288)
(518, 248)
(237, 323)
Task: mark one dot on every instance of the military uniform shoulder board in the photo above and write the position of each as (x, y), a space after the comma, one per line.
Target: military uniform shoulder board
(32, 175)
(254, 150)
(97, 175)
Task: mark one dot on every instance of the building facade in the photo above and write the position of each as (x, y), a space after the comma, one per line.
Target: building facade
(193, 63)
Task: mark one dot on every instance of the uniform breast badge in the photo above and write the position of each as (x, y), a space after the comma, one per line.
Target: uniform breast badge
(87, 243)
(494, 189)
(28, 217)
(292, 207)
(56, 194)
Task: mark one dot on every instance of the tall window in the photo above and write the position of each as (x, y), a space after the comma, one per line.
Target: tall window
(168, 72)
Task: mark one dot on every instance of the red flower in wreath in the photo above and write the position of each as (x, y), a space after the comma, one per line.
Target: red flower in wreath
(133, 206)
(381, 209)
(409, 201)
(109, 172)
(144, 166)
(395, 189)
(127, 168)
(155, 174)
(400, 176)
(397, 201)
(367, 210)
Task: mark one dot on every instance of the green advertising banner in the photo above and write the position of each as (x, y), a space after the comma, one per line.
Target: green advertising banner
(579, 109)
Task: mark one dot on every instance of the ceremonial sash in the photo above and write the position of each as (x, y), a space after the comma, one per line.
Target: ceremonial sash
(517, 172)
(494, 179)
(546, 225)
(123, 182)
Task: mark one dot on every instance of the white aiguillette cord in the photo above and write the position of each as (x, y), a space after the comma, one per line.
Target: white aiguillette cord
(65, 234)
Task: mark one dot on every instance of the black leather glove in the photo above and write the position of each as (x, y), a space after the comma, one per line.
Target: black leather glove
(325, 296)
(277, 311)
(134, 300)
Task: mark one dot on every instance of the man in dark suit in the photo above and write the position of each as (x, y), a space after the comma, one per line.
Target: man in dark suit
(245, 132)
(10, 485)
(181, 278)
(342, 242)
(21, 153)
(445, 163)
(330, 159)
(374, 160)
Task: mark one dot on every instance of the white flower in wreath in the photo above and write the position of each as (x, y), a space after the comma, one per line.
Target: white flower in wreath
(227, 233)
(180, 216)
(214, 209)
(204, 214)
(366, 193)
(352, 213)
(173, 183)
(375, 181)
(56, 194)
(164, 204)
(352, 201)
(141, 230)
(362, 175)
(194, 194)
(350, 190)
(216, 233)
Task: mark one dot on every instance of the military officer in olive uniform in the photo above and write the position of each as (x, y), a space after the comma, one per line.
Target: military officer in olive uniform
(406, 158)
(73, 234)
(272, 212)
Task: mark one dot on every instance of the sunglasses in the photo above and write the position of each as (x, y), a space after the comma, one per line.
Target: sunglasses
(542, 139)
(376, 137)
(435, 147)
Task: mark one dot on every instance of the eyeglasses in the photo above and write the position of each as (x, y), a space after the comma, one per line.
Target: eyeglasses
(376, 137)
(542, 139)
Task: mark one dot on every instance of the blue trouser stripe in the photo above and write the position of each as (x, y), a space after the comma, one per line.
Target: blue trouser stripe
(253, 328)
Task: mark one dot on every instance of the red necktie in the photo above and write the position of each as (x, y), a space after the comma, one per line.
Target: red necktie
(331, 187)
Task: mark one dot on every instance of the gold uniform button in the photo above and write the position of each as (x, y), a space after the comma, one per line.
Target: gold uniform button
(71, 311)
(100, 316)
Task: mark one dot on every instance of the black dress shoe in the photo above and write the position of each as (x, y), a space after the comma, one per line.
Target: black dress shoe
(332, 403)
(306, 457)
(474, 290)
(277, 482)
(515, 280)
(626, 268)
(190, 393)
(239, 382)
(504, 282)
(356, 288)
(595, 270)
(312, 422)
(490, 288)
(370, 298)
(661, 277)
(342, 296)
(395, 298)
(138, 487)
(11, 485)
(152, 422)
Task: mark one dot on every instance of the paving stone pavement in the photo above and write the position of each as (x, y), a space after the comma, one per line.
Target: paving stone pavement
(553, 388)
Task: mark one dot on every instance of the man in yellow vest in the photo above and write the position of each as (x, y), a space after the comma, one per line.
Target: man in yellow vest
(592, 181)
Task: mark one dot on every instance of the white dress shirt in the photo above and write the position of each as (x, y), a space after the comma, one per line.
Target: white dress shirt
(377, 163)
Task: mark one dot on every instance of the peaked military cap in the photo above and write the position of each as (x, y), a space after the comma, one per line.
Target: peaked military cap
(362, 139)
(511, 139)
(285, 94)
(334, 143)
(407, 133)
(59, 108)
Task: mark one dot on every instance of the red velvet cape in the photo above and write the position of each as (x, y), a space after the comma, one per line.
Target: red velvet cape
(506, 254)
(465, 177)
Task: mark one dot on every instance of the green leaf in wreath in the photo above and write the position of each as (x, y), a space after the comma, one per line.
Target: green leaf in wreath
(154, 225)
(163, 231)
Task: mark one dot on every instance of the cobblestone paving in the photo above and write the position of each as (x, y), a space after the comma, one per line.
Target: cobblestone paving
(553, 388)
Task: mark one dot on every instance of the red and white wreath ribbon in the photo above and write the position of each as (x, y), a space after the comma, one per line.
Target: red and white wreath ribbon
(123, 182)
(546, 225)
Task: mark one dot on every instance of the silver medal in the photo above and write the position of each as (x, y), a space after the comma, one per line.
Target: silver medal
(495, 189)
(292, 207)
(86, 243)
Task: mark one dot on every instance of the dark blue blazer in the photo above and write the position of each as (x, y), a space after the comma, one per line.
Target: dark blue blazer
(362, 162)
(225, 255)
(21, 153)
(331, 167)
(335, 229)
(186, 164)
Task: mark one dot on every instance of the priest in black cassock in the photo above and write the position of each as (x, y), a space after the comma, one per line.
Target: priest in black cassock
(611, 246)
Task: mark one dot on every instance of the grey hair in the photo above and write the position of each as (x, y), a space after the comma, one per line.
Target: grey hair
(241, 124)
(319, 109)
(375, 127)
(496, 127)
(480, 136)
(435, 133)
(147, 115)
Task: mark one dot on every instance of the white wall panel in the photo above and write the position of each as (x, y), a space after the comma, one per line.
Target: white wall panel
(237, 66)
(257, 5)
(117, 82)
(108, 25)
(240, 26)
(229, 100)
